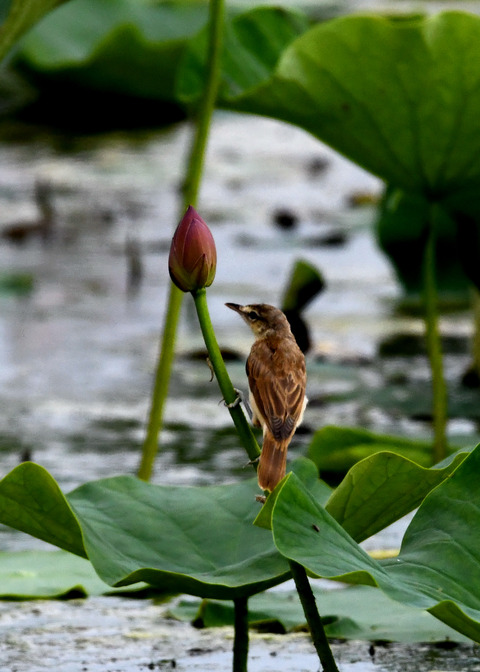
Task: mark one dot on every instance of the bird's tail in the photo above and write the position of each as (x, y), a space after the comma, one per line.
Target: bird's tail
(273, 462)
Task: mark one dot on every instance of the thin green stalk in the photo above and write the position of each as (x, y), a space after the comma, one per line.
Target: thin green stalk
(207, 104)
(317, 631)
(228, 391)
(193, 178)
(240, 643)
(161, 383)
(476, 332)
(434, 347)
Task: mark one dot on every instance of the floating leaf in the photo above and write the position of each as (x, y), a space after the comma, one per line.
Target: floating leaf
(44, 574)
(356, 612)
(193, 540)
(438, 568)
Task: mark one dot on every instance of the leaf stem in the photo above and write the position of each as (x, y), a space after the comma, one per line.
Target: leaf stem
(476, 331)
(228, 391)
(161, 383)
(434, 346)
(314, 620)
(207, 103)
(240, 644)
(194, 172)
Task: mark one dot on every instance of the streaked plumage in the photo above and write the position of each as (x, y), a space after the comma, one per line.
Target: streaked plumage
(277, 380)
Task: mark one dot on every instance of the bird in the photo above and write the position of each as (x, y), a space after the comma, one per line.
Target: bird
(277, 380)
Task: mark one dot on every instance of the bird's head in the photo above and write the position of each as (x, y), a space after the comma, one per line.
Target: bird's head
(262, 318)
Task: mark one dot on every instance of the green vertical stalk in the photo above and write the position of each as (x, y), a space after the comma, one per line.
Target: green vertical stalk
(193, 178)
(207, 104)
(317, 631)
(476, 332)
(434, 346)
(228, 391)
(240, 644)
(161, 383)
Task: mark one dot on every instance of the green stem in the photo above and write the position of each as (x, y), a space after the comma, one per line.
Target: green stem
(317, 631)
(193, 178)
(476, 332)
(240, 644)
(229, 394)
(207, 104)
(161, 383)
(434, 346)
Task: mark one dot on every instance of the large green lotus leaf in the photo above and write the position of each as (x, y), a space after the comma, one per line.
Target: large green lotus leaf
(197, 540)
(381, 489)
(438, 568)
(124, 46)
(356, 612)
(399, 97)
(47, 574)
(19, 17)
(336, 449)
(253, 44)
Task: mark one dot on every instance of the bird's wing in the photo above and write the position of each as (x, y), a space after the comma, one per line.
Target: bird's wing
(278, 388)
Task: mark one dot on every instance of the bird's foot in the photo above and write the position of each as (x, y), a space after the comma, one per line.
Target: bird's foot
(250, 463)
(239, 399)
(261, 498)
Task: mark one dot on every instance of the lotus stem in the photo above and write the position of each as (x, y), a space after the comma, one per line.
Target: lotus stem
(229, 393)
(240, 644)
(434, 345)
(161, 383)
(476, 332)
(317, 631)
(194, 173)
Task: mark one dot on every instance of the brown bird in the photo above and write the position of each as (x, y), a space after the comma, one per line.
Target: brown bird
(277, 379)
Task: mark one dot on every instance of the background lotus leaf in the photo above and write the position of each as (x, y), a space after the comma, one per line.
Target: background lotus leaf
(336, 449)
(399, 97)
(355, 612)
(18, 16)
(123, 46)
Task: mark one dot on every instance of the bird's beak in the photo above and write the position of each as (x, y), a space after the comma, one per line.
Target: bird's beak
(235, 306)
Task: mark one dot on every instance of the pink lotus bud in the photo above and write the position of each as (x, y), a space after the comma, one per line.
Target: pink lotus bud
(193, 257)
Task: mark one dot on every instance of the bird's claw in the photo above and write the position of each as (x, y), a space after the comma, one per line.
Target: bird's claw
(238, 399)
(250, 463)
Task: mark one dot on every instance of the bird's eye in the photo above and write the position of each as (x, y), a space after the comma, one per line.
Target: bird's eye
(253, 315)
